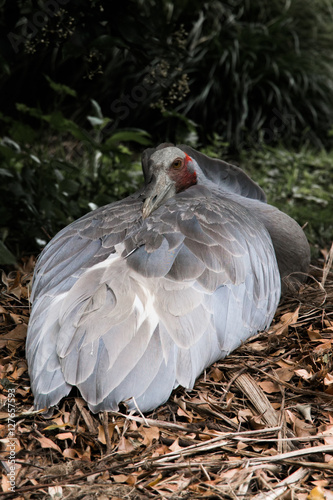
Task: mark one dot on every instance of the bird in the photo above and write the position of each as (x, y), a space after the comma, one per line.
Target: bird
(142, 295)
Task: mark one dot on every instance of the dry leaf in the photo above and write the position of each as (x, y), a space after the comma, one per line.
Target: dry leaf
(175, 445)
(120, 478)
(269, 387)
(257, 346)
(256, 422)
(64, 435)
(150, 435)
(286, 320)
(5, 483)
(284, 374)
(184, 413)
(86, 455)
(48, 443)
(300, 427)
(216, 375)
(313, 334)
(328, 429)
(9, 442)
(328, 380)
(161, 450)
(322, 483)
(303, 374)
(125, 445)
(317, 493)
(155, 481)
(10, 339)
(70, 453)
(229, 399)
(325, 346)
(229, 474)
(245, 414)
(101, 432)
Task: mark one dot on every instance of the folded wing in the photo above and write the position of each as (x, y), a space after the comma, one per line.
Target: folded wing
(127, 309)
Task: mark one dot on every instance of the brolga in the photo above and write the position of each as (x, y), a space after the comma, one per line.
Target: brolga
(140, 296)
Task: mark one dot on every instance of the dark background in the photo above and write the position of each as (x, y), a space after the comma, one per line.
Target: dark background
(87, 85)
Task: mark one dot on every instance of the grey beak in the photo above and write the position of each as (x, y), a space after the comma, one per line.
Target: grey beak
(157, 193)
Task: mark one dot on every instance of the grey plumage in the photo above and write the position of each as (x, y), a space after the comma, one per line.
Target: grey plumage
(127, 308)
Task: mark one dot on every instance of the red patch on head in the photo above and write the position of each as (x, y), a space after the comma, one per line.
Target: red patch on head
(186, 176)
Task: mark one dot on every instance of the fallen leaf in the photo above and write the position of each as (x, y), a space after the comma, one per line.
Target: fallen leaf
(150, 435)
(125, 445)
(70, 453)
(5, 483)
(10, 339)
(175, 445)
(303, 374)
(48, 443)
(256, 422)
(325, 346)
(101, 432)
(229, 399)
(64, 435)
(278, 352)
(155, 481)
(300, 427)
(229, 474)
(316, 494)
(183, 413)
(328, 429)
(161, 450)
(216, 375)
(286, 320)
(322, 483)
(86, 455)
(313, 334)
(328, 380)
(245, 414)
(269, 386)
(256, 346)
(284, 374)
(120, 478)
(9, 442)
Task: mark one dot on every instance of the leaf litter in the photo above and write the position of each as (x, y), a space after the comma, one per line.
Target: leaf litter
(257, 425)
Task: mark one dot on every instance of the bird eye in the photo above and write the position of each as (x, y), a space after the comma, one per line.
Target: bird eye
(178, 163)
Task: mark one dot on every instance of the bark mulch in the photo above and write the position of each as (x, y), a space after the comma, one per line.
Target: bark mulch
(257, 425)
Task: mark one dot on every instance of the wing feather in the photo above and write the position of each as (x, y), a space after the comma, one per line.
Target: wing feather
(127, 309)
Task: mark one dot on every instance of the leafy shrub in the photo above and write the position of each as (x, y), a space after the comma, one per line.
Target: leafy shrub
(299, 183)
(46, 184)
(262, 71)
(242, 69)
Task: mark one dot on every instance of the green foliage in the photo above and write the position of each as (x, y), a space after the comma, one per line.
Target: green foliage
(69, 171)
(299, 183)
(263, 71)
(247, 70)
(46, 184)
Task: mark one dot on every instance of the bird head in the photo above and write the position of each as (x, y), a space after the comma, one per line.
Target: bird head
(171, 171)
